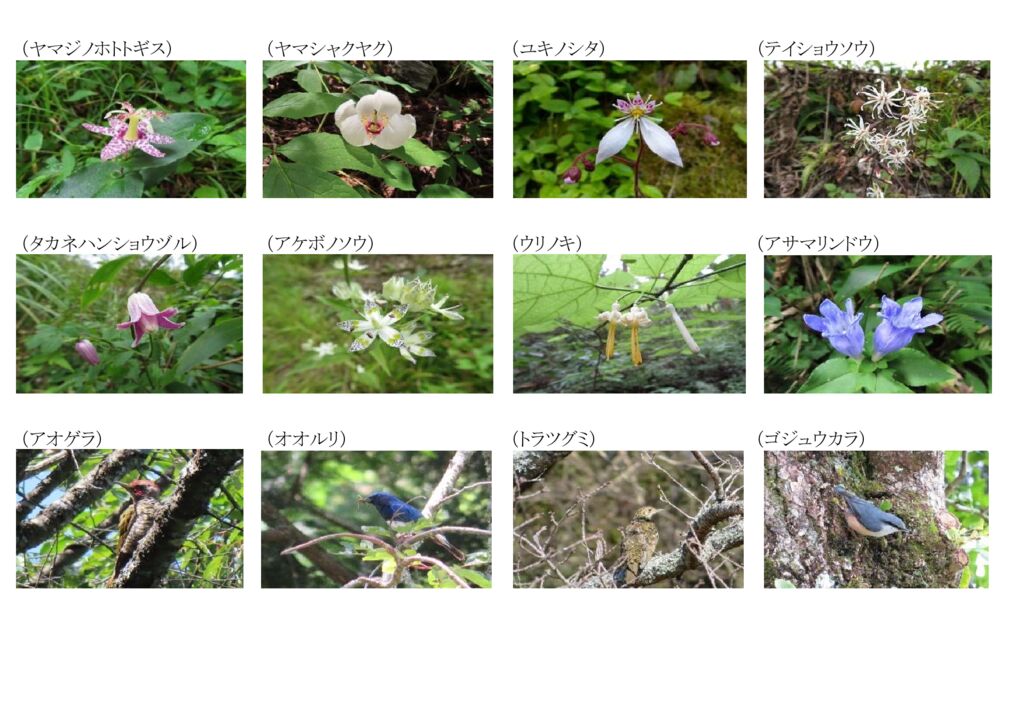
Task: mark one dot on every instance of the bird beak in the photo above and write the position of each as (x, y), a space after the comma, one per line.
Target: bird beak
(362, 500)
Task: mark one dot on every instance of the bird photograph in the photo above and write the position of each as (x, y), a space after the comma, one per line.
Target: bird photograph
(630, 519)
(129, 518)
(876, 519)
(379, 519)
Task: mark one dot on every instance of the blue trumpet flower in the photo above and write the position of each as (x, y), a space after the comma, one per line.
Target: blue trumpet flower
(841, 329)
(899, 325)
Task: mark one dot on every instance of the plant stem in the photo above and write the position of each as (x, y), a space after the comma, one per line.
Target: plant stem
(636, 170)
(145, 278)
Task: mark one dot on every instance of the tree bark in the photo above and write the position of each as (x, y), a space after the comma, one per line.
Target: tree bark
(808, 544)
(156, 551)
(64, 467)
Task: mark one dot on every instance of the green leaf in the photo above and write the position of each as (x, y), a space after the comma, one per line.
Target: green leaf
(329, 152)
(865, 276)
(473, 577)
(443, 191)
(101, 278)
(772, 307)
(34, 141)
(968, 168)
(302, 105)
(551, 287)
(309, 80)
(296, 180)
(188, 130)
(917, 369)
(210, 343)
(675, 98)
(835, 375)
(740, 131)
(103, 180)
(417, 153)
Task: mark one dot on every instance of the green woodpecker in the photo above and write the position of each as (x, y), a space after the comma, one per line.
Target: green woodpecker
(135, 521)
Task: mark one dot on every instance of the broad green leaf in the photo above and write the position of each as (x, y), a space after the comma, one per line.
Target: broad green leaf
(296, 180)
(302, 105)
(864, 276)
(549, 288)
(188, 131)
(418, 153)
(329, 152)
(103, 180)
(917, 369)
(835, 375)
(210, 343)
(309, 80)
(443, 191)
(100, 278)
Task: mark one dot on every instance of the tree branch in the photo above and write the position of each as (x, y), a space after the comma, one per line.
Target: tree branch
(79, 496)
(203, 474)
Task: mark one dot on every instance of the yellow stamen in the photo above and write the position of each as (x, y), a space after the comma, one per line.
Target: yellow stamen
(132, 134)
(609, 347)
(635, 347)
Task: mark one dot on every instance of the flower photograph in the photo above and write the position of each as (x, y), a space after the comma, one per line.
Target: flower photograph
(130, 129)
(128, 518)
(877, 130)
(377, 323)
(628, 519)
(876, 519)
(878, 324)
(129, 323)
(634, 323)
(378, 129)
(630, 129)
(380, 519)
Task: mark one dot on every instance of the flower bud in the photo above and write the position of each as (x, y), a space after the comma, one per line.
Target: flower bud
(572, 175)
(87, 351)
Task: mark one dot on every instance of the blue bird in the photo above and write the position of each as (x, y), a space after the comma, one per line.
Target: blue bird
(867, 519)
(396, 511)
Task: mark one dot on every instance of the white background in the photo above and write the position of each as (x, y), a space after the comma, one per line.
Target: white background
(325, 655)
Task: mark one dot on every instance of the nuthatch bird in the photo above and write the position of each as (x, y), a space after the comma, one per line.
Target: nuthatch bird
(868, 519)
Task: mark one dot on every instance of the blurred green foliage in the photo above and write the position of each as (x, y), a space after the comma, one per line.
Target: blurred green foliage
(63, 299)
(210, 557)
(449, 156)
(807, 105)
(318, 494)
(205, 101)
(967, 498)
(564, 108)
(955, 356)
(299, 307)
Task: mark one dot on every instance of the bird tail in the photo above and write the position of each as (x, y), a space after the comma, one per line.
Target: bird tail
(444, 543)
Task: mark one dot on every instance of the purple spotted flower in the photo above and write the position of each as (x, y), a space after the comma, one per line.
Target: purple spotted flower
(899, 325)
(129, 128)
(143, 316)
(635, 112)
(841, 329)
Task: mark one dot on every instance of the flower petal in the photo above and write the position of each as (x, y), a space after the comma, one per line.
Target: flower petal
(387, 103)
(363, 341)
(147, 147)
(660, 141)
(105, 130)
(345, 110)
(352, 131)
(116, 147)
(815, 322)
(399, 129)
(615, 140)
(929, 319)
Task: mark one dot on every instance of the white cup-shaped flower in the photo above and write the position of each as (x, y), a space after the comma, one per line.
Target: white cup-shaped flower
(375, 119)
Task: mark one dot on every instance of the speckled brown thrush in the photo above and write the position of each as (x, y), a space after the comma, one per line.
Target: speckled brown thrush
(640, 542)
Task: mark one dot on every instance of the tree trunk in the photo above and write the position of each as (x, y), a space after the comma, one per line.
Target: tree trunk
(808, 544)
